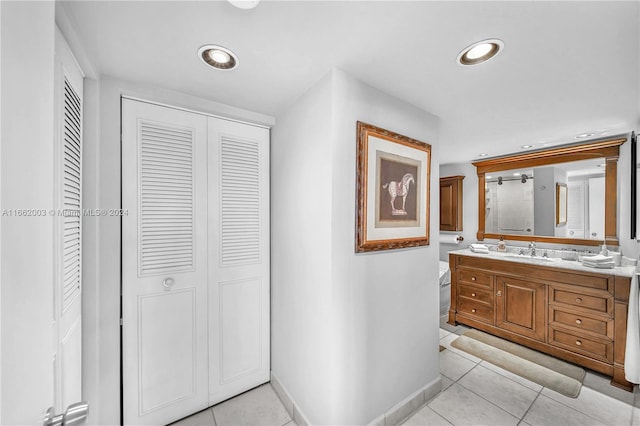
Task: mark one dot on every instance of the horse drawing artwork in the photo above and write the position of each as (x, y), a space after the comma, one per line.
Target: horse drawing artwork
(399, 189)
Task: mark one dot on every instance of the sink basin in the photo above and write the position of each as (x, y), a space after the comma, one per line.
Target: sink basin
(533, 258)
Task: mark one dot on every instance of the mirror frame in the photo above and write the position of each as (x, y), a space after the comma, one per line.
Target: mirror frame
(608, 149)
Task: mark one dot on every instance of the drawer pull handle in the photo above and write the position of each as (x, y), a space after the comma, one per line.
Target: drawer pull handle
(473, 295)
(578, 321)
(473, 310)
(578, 342)
(578, 300)
(473, 278)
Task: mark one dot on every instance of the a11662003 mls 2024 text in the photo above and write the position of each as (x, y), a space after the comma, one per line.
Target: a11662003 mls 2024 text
(63, 212)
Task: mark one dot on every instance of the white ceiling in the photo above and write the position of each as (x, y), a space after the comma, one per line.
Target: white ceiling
(567, 67)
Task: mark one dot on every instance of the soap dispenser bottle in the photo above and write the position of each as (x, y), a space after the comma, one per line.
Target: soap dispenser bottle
(502, 246)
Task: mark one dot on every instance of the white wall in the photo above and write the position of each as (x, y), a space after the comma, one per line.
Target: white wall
(302, 309)
(27, 106)
(375, 341)
(544, 201)
(629, 247)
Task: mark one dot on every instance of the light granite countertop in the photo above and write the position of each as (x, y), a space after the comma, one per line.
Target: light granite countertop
(554, 262)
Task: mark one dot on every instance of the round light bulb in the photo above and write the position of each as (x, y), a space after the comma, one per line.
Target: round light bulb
(479, 51)
(219, 56)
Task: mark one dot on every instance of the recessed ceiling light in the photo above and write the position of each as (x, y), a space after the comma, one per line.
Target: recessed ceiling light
(526, 146)
(480, 52)
(583, 135)
(516, 174)
(218, 57)
(489, 176)
(484, 154)
(244, 4)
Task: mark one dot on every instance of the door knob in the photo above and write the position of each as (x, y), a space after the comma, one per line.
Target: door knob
(75, 415)
(168, 282)
(499, 293)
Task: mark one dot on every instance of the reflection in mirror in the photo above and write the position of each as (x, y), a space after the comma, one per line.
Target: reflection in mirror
(523, 201)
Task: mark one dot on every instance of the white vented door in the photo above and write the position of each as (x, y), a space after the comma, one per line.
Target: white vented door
(239, 340)
(164, 261)
(67, 350)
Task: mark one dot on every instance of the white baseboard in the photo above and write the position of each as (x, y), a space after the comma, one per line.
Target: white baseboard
(409, 406)
(393, 417)
(289, 404)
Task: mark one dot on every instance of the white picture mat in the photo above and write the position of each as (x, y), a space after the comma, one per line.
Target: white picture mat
(378, 144)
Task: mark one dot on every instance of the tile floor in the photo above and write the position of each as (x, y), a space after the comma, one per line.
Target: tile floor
(474, 392)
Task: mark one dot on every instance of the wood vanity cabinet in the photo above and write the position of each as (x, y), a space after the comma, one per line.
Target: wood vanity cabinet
(578, 316)
(451, 203)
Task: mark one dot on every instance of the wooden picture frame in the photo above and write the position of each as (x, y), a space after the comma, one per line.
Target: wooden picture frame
(393, 175)
(561, 204)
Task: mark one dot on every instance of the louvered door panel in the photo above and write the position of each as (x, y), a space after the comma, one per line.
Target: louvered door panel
(71, 201)
(166, 198)
(67, 318)
(164, 263)
(239, 201)
(239, 258)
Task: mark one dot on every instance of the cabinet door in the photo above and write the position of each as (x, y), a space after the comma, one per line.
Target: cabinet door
(520, 307)
(451, 203)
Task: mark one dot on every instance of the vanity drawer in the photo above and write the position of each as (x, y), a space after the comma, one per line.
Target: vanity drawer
(597, 325)
(474, 277)
(476, 293)
(592, 347)
(579, 299)
(481, 311)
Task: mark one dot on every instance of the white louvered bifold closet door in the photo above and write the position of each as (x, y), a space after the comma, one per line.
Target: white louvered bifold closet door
(164, 261)
(239, 340)
(67, 351)
(71, 202)
(195, 261)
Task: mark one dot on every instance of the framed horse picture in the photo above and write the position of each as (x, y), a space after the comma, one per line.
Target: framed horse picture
(393, 174)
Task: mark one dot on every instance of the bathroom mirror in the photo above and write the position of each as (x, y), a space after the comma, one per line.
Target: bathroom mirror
(519, 195)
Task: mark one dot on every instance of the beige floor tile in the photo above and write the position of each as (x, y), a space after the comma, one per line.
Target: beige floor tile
(547, 412)
(462, 407)
(446, 342)
(503, 392)
(453, 365)
(602, 384)
(594, 404)
(203, 418)
(258, 407)
(444, 333)
(446, 382)
(635, 421)
(509, 375)
(461, 329)
(426, 417)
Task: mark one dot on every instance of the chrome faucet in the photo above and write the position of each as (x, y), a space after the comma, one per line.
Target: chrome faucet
(532, 247)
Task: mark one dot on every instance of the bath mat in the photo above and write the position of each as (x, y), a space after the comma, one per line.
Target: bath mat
(545, 370)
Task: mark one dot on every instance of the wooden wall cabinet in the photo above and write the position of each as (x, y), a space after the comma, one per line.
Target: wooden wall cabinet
(451, 203)
(578, 316)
